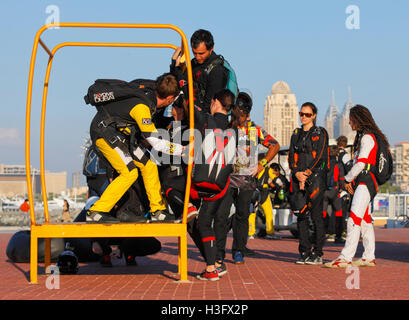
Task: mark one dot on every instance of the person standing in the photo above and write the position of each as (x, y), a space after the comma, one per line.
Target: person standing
(334, 222)
(362, 184)
(65, 217)
(209, 74)
(25, 208)
(345, 160)
(211, 181)
(308, 162)
(263, 178)
(245, 171)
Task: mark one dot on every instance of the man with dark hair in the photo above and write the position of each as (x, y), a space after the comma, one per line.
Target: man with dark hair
(117, 130)
(343, 155)
(209, 74)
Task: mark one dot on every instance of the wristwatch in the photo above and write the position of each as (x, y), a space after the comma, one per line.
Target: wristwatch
(263, 162)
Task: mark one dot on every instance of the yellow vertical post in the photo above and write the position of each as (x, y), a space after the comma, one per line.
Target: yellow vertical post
(182, 257)
(33, 258)
(47, 252)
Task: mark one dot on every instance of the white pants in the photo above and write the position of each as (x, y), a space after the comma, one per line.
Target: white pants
(360, 222)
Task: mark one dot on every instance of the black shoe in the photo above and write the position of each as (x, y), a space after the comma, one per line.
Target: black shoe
(128, 216)
(272, 237)
(130, 260)
(105, 261)
(100, 217)
(339, 240)
(162, 216)
(248, 252)
(313, 259)
(302, 258)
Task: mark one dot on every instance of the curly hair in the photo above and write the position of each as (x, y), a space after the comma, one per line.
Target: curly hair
(362, 118)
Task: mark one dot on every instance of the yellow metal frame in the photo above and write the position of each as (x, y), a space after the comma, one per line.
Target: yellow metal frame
(50, 230)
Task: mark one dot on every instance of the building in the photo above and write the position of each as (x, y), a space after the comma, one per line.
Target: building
(13, 181)
(330, 123)
(77, 179)
(337, 123)
(343, 119)
(400, 175)
(281, 113)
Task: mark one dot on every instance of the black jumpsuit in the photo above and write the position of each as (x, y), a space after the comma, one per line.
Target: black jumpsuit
(309, 152)
(209, 229)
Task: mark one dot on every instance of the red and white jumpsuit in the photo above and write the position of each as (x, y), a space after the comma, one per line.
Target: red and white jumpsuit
(360, 220)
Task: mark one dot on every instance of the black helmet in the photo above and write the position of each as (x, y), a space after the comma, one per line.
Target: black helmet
(67, 262)
(244, 101)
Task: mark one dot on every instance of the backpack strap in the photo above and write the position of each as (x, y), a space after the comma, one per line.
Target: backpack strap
(214, 63)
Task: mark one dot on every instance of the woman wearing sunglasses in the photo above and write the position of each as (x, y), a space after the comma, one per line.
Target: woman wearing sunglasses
(308, 161)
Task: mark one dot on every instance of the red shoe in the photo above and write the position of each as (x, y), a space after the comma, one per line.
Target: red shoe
(211, 276)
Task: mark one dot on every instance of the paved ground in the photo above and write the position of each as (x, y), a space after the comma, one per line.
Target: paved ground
(269, 275)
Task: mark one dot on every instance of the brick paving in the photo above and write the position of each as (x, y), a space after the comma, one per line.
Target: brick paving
(269, 275)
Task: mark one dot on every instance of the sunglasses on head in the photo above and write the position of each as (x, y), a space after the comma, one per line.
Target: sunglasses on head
(308, 115)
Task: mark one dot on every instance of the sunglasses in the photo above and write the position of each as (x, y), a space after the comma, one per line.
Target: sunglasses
(308, 115)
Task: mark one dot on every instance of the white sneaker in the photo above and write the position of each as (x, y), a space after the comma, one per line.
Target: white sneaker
(338, 263)
(364, 263)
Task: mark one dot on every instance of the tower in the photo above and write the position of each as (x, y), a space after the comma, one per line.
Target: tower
(343, 119)
(330, 122)
(281, 113)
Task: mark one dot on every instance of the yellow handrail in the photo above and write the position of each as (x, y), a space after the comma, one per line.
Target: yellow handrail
(45, 92)
(46, 81)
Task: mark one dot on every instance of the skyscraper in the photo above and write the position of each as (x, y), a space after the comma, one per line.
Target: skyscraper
(337, 123)
(343, 119)
(281, 113)
(330, 122)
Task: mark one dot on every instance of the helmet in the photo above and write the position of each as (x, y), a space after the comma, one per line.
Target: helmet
(244, 101)
(67, 262)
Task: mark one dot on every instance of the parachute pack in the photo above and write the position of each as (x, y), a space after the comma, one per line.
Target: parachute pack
(231, 75)
(105, 91)
(384, 163)
(212, 167)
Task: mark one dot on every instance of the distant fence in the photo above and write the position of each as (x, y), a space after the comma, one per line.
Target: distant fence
(398, 206)
(22, 219)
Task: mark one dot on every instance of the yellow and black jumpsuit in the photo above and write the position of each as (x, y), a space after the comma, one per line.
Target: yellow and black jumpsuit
(112, 130)
(265, 202)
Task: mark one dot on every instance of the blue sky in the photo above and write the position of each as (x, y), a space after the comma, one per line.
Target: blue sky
(304, 43)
